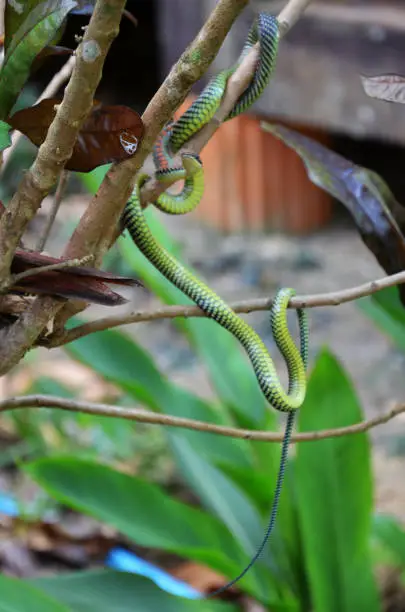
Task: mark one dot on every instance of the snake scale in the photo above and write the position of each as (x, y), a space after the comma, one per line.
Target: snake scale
(265, 30)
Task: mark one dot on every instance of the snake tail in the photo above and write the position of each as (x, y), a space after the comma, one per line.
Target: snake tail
(280, 302)
(273, 515)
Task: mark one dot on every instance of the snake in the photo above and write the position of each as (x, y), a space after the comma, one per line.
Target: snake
(172, 138)
(265, 31)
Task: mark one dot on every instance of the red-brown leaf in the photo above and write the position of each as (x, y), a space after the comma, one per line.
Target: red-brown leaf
(110, 133)
(78, 282)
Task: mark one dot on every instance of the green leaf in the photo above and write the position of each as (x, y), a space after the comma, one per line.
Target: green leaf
(388, 531)
(387, 312)
(334, 492)
(119, 359)
(18, 596)
(138, 509)
(109, 591)
(5, 140)
(15, 14)
(35, 32)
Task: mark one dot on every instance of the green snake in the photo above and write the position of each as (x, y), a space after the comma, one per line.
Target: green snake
(173, 138)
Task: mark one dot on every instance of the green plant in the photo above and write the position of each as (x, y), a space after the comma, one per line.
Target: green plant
(322, 538)
(325, 525)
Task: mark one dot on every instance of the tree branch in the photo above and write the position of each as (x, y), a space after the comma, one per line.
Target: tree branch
(97, 228)
(98, 224)
(61, 137)
(57, 148)
(334, 298)
(144, 416)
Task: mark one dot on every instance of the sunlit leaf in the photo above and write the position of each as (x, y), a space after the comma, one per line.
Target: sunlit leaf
(36, 32)
(109, 134)
(388, 87)
(15, 13)
(379, 217)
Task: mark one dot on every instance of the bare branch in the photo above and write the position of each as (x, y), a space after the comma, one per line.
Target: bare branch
(290, 14)
(57, 201)
(334, 298)
(144, 416)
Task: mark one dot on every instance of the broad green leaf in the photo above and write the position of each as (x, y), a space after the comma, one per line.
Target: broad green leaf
(387, 312)
(388, 531)
(138, 509)
(35, 32)
(15, 14)
(119, 359)
(19, 596)
(5, 140)
(109, 591)
(334, 492)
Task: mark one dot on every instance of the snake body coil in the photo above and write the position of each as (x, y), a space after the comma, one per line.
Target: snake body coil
(173, 137)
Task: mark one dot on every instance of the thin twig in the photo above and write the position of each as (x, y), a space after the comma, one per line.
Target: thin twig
(57, 201)
(144, 416)
(290, 14)
(334, 298)
(60, 265)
